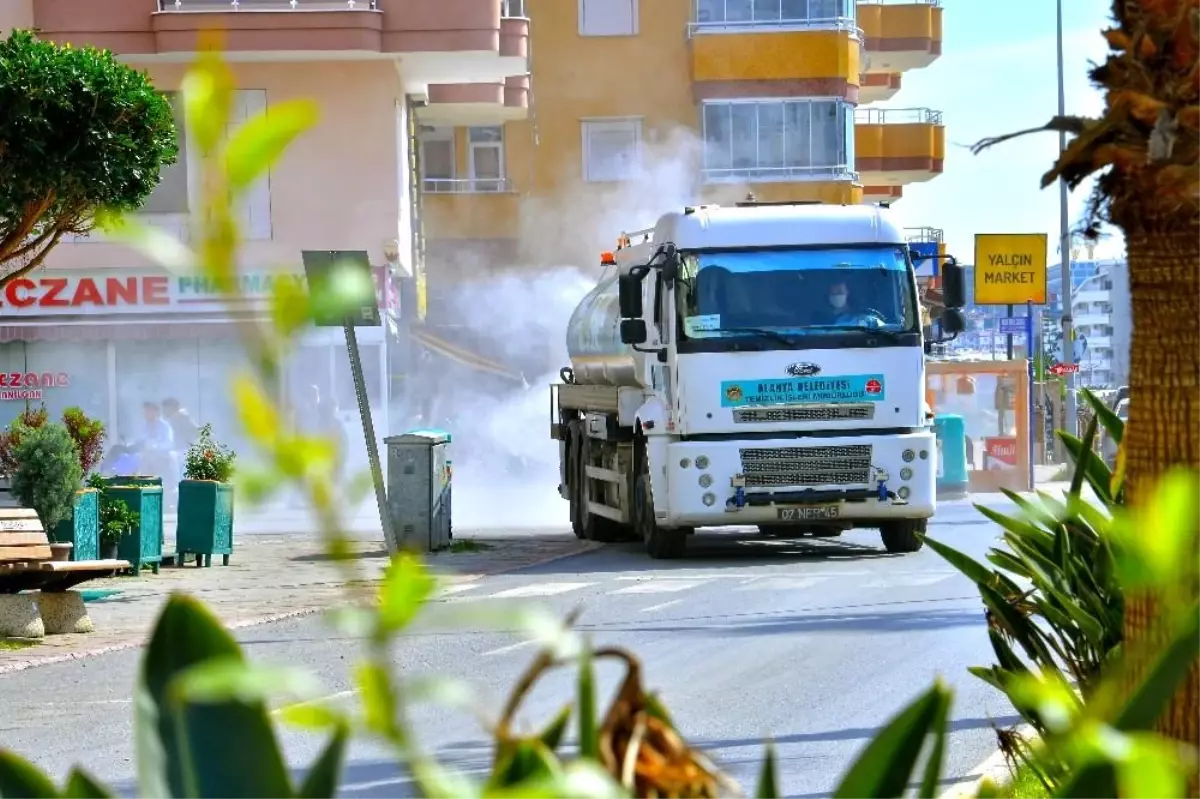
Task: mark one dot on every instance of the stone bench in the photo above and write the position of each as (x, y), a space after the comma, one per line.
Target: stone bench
(35, 595)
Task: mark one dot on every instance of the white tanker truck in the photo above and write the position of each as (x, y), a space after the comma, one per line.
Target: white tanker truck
(752, 365)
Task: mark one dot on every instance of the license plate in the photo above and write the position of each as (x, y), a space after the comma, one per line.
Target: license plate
(808, 513)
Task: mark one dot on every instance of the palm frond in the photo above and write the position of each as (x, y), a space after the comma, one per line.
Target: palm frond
(1073, 125)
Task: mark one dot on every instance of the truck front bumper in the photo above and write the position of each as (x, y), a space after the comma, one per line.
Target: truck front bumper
(844, 480)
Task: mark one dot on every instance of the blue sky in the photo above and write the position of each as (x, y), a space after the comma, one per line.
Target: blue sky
(997, 74)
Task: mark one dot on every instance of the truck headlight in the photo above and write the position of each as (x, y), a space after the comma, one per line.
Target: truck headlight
(903, 492)
(709, 499)
(906, 473)
(705, 480)
(702, 462)
(908, 455)
(685, 462)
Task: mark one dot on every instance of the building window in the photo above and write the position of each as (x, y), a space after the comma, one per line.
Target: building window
(170, 196)
(608, 17)
(612, 149)
(437, 158)
(173, 195)
(486, 158)
(256, 203)
(782, 140)
(784, 13)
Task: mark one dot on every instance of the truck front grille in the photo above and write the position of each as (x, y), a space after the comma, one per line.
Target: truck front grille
(806, 413)
(807, 466)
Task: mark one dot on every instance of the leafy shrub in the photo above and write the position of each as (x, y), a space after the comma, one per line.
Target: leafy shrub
(208, 460)
(1054, 593)
(116, 518)
(47, 474)
(88, 435)
(30, 419)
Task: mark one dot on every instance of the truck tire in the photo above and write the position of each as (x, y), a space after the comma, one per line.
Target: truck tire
(903, 535)
(591, 526)
(661, 544)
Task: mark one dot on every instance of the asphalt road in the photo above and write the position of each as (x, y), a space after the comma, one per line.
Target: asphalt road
(814, 643)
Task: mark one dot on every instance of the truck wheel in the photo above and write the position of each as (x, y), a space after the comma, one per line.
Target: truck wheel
(660, 544)
(903, 535)
(591, 526)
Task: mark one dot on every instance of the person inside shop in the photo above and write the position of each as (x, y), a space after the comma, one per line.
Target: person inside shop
(184, 429)
(155, 447)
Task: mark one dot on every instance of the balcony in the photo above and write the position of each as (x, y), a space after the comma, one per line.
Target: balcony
(441, 41)
(898, 146)
(466, 185)
(877, 87)
(785, 48)
(466, 104)
(900, 35)
(470, 208)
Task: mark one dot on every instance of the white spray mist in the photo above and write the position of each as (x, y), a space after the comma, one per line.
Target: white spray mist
(506, 465)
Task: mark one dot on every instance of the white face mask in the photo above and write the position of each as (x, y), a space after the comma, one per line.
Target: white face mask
(837, 300)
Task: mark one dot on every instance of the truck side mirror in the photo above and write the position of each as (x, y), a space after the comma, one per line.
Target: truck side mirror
(954, 289)
(633, 331)
(629, 291)
(952, 322)
(670, 269)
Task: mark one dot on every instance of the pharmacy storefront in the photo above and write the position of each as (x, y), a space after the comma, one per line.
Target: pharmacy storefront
(111, 341)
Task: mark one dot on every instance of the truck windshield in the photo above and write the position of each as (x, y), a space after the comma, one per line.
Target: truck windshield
(791, 292)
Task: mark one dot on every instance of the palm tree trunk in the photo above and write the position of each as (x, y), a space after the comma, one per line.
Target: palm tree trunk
(1164, 412)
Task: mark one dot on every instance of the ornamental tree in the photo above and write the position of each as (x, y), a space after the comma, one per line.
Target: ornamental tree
(80, 132)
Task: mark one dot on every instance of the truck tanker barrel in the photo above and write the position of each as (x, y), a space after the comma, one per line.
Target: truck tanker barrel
(594, 339)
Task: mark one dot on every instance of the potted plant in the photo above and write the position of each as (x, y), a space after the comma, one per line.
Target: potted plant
(205, 526)
(116, 519)
(81, 528)
(47, 474)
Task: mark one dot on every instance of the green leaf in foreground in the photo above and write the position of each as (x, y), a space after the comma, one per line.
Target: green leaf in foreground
(81, 785)
(768, 776)
(406, 587)
(20, 778)
(321, 782)
(886, 766)
(259, 144)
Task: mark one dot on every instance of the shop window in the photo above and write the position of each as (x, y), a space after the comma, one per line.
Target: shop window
(63, 375)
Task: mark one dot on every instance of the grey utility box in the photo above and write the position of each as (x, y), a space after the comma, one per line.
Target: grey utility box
(418, 476)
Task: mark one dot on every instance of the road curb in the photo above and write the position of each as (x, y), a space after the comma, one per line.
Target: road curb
(272, 618)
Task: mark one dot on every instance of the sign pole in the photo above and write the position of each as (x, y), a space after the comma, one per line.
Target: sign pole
(1029, 329)
(368, 425)
(1009, 336)
(342, 294)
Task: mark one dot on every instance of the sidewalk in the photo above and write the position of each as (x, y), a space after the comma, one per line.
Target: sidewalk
(269, 578)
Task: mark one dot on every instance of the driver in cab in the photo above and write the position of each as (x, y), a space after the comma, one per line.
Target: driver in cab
(839, 312)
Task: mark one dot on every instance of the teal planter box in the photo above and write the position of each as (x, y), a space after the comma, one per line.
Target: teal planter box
(82, 528)
(205, 526)
(143, 545)
(141, 480)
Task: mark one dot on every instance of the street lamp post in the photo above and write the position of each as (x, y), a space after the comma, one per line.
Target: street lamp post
(1068, 338)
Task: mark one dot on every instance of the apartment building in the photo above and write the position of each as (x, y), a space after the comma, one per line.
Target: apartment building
(639, 105)
(115, 330)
